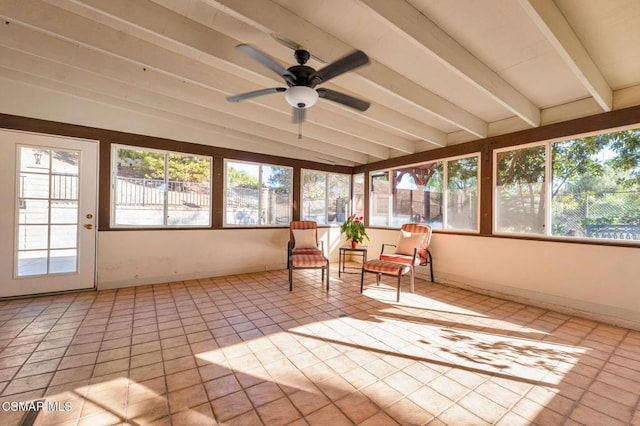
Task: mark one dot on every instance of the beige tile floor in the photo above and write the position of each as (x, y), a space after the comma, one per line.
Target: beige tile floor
(243, 350)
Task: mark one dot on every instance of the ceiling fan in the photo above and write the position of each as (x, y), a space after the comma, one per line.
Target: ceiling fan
(301, 80)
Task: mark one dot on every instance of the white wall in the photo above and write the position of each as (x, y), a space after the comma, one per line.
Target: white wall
(127, 258)
(598, 282)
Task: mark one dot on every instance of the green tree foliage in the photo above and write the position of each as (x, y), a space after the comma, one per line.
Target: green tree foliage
(314, 185)
(241, 179)
(463, 173)
(151, 165)
(141, 164)
(577, 157)
(627, 146)
(521, 166)
(595, 179)
(188, 168)
(520, 175)
(280, 180)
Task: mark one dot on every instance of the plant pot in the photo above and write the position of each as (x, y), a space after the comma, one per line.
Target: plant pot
(354, 244)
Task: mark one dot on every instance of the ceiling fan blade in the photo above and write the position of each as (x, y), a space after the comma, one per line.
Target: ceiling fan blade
(254, 94)
(343, 99)
(342, 65)
(299, 115)
(266, 60)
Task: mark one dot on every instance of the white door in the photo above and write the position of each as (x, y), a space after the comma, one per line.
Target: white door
(48, 198)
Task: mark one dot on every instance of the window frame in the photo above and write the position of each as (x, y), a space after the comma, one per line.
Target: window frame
(352, 206)
(548, 196)
(113, 188)
(494, 181)
(445, 191)
(326, 194)
(226, 225)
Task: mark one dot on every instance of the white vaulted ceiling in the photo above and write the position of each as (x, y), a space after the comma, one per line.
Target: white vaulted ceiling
(440, 72)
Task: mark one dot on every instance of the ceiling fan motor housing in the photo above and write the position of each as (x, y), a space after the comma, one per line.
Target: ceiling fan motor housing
(302, 56)
(301, 96)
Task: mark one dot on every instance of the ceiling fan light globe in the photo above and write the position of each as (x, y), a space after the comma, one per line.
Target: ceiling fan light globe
(301, 96)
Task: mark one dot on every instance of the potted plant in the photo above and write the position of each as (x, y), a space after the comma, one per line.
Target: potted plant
(353, 229)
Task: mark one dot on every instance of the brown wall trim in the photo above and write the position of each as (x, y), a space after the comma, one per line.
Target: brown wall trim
(217, 203)
(486, 190)
(62, 129)
(609, 120)
(423, 157)
(591, 124)
(605, 121)
(104, 187)
(109, 137)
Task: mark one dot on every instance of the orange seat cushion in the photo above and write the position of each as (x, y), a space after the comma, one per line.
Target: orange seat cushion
(386, 267)
(308, 261)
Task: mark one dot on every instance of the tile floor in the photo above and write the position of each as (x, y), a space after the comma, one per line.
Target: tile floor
(243, 350)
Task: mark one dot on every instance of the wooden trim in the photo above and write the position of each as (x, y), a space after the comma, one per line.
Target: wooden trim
(580, 126)
(367, 190)
(104, 187)
(108, 137)
(572, 128)
(112, 136)
(595, 123)
(217, 203)
(297, 193)
(423, 157)
(486, 190)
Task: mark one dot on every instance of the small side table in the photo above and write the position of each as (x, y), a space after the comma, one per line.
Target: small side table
(358, 251)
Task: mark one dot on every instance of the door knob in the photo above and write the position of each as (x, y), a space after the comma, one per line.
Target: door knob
(88, 226)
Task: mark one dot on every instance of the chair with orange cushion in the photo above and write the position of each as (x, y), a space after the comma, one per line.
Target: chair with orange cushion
(412, 247)
(307, 232)
(304, 251)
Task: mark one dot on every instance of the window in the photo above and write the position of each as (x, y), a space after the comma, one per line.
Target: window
(379, 200)
(520, 190)
(257, 194)
(154, 188)
(358, 194)
(577, 188)
(418, 194)
(49, 196)
(462, 194)
(325, 197)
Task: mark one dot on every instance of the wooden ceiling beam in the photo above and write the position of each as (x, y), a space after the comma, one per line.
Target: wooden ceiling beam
(409, 22)
(552, 23)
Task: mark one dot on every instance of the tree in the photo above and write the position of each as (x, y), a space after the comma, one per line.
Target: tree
(627, 146)
(280, 180)
(151, 165)
(462, 174)
(595, 179)
(314, 185)
(520, 177)
(241, 179)
(188, 168)
(577, 157)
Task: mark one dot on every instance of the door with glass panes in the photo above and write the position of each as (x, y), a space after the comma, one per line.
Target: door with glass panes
(48, 220)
